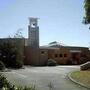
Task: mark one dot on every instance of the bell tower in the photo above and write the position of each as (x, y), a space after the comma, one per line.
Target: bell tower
(33, 33)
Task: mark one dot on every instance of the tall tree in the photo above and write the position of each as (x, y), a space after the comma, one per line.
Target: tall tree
(12, 50)
(87, 11)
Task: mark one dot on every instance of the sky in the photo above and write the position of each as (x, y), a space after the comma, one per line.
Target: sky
(59, 20)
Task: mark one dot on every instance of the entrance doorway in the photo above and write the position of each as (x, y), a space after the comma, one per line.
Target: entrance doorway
(75, 57)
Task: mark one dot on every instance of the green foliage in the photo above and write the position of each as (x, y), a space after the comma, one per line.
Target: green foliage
(3, 82)
(5, 85)
(18, 34)
(10, 54)
(51, 62)
(87, 12)
(29, 88)
(2, 66)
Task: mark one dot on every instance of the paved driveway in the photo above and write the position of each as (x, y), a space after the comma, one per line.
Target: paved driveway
(44, 77)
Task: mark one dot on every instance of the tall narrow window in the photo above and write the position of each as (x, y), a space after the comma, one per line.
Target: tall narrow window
(60, 55)
(65, 55)
(56, 55)
(42, 52)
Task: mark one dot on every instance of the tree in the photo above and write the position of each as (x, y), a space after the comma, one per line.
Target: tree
(87, 12)
(9, 54)
(11, 50)
(18, 34)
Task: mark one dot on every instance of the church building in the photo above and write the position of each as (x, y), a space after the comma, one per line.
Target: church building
(39, 55)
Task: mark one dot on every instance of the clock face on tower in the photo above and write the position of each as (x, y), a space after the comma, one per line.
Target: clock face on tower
(33, 24)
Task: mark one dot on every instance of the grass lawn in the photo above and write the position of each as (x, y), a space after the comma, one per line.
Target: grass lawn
(82, 77)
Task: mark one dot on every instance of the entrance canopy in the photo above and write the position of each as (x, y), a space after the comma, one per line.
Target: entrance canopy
(75, 51)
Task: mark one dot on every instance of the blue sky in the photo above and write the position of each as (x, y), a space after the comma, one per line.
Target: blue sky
(60, 20)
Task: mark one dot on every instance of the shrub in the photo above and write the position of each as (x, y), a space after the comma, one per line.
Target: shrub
(2, 66)
(11, 54)
(19, 64)
(5, 85)
(51, 62)
(3, 82)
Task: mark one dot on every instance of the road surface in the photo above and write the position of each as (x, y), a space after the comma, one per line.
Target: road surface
(44, 78)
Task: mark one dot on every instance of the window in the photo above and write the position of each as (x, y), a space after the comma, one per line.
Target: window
(60, 55)
(42, 52)
(65, 55)
(56, 55)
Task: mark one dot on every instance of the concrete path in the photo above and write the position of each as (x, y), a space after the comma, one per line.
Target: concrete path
(44, 78)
